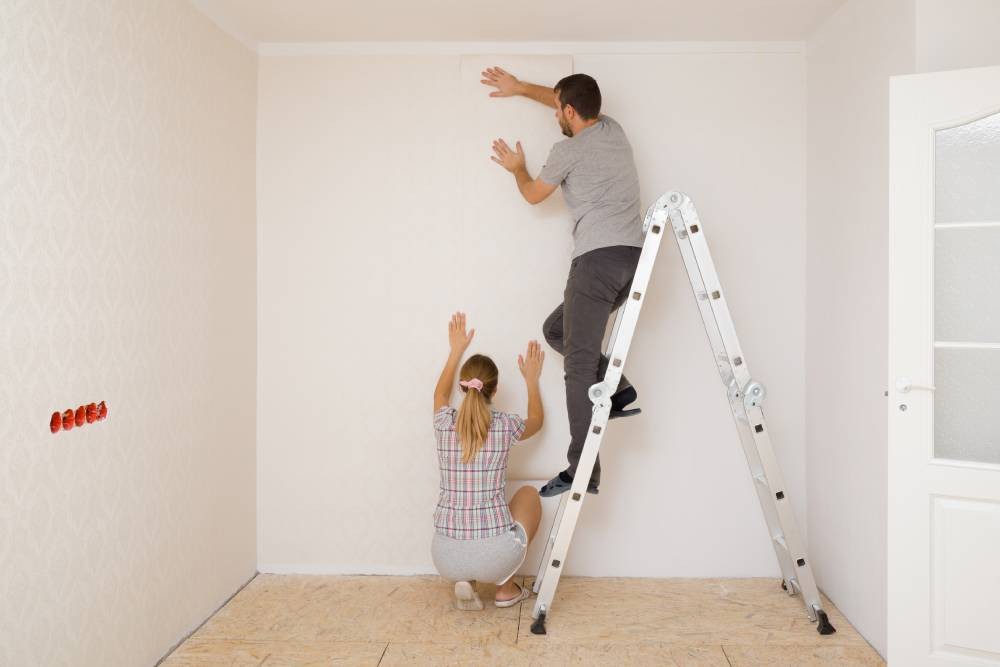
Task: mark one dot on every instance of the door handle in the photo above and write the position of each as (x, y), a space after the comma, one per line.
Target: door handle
(904, 385)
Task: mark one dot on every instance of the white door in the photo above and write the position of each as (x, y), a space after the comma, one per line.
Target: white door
(944, 369)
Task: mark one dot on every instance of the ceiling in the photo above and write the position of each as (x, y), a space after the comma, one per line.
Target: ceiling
(264, 21)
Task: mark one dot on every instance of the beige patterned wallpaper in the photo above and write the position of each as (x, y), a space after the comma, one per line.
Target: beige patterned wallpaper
(127, 274)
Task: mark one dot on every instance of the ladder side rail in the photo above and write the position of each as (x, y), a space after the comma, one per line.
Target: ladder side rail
(628, 316)
(768, 503)
(757, 472)
(793, 539)
(549, 541)
(550, 569)
(789, 549)
(701, 300)
(717, 298)
(791, 542)
(570, 515)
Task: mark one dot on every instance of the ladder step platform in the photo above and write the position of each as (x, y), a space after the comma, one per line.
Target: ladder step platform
(675, 212)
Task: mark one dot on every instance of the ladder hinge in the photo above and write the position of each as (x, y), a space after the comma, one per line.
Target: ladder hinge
(753, 396)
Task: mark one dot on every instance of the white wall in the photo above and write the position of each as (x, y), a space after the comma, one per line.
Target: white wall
(127, 274)
(380, 213)
(850, 60)
(955, 34)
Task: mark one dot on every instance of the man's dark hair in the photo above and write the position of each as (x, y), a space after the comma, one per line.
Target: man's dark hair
(581, 92)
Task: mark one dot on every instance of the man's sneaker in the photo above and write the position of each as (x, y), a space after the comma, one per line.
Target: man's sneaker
(559, 484)
(620, 399)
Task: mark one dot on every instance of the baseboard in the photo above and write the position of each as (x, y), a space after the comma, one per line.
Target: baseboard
(346, 570)
(207, 618)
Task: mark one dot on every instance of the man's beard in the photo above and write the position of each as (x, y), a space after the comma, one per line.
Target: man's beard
(566, 129)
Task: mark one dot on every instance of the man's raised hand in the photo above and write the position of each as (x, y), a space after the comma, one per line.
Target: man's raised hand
(505, 157)
(506, 84)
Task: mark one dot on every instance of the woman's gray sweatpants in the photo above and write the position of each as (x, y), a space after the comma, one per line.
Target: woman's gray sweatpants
(598, 283)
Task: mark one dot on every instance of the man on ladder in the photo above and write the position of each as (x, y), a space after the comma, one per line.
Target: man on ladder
(596, 170)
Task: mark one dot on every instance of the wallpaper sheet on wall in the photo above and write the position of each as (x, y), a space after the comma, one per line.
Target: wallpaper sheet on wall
(373, 232)
(519, 258)
(514, 256)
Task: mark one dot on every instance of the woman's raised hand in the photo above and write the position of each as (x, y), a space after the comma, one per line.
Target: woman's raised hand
(531, 362)
(458, 339)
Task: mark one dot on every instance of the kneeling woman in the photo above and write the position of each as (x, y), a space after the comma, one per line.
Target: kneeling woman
(479, 537)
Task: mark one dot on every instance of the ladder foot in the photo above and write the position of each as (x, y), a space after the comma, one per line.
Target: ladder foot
(538, 627)
(784, 586)
(822, 625)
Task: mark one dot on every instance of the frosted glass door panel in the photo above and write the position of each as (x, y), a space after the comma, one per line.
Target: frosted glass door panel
(967, 405)
(967, 292)
(967, 284)
(967, 172)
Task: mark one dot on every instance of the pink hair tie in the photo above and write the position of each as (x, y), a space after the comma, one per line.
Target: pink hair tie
(474, 383)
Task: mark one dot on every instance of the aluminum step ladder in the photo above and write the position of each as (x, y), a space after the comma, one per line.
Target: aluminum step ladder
(674, 211)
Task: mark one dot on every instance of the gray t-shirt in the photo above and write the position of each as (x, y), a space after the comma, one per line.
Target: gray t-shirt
(600, 185)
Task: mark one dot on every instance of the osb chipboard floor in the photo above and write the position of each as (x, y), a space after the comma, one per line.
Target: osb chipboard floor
(328, 620)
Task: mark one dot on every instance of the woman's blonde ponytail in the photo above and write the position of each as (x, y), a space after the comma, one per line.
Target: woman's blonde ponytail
(474, 416)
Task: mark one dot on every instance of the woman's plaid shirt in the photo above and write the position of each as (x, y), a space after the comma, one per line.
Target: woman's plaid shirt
(472, 504)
